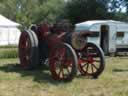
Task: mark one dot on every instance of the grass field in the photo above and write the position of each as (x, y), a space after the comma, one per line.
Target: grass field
(6, 52)
(16, 82)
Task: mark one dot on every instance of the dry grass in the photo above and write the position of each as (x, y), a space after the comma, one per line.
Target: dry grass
(16, 82)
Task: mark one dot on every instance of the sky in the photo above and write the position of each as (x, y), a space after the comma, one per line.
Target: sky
(123, 9)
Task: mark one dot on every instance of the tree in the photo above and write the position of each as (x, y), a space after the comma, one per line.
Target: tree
(27, 12)
(119, 9)
(82, 10)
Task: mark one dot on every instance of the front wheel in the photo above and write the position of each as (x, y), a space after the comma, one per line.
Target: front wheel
(91, 60)
(63, 62)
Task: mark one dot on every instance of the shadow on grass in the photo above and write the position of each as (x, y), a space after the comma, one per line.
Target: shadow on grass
(40, 75)
(120, 70)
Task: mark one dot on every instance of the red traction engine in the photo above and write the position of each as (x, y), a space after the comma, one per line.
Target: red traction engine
(63, 51)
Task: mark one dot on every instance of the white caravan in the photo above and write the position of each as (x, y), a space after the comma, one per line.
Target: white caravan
(111, 35)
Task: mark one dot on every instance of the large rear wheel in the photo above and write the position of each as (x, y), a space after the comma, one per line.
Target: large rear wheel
(27, 50)
(63, 62)
(35, 49)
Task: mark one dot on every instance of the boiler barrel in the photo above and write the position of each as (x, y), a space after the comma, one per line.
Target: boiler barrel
(75, 40)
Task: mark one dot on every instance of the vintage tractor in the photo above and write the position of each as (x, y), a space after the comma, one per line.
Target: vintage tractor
(63, 50)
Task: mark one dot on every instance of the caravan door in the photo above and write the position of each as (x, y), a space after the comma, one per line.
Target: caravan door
(112, 38)
(104, 38)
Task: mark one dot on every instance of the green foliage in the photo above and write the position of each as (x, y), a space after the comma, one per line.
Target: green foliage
(121, 16)
(27, 12)
(81, 10)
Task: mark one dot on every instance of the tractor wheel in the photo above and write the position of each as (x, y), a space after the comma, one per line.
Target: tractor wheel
(91, 60)
(27, 50)
(63, 62)
(36, 49)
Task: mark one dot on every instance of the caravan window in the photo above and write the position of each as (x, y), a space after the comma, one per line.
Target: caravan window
(95, 34)
(120, 34)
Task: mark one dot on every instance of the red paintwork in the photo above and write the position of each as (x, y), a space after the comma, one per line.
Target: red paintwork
(57, 55)
(24, 50)
(51, 38)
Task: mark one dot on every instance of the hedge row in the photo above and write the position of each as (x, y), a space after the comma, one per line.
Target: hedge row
(8, 52)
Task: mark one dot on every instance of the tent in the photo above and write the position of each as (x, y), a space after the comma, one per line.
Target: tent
(9, 33)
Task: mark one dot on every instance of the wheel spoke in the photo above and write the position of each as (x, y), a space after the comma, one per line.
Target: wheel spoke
(84, 65)
(27, 51)
(83, 60)
(62, 51)
(68, 70)
(70, 65)
(94, 66)
(60, 72)
(69, 62)
(87, 67)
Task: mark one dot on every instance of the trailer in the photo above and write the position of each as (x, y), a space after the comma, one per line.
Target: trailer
(111, 35)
